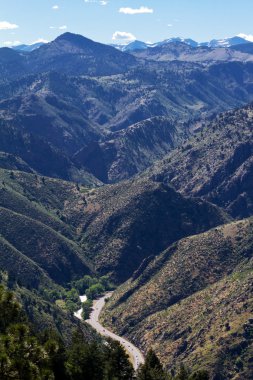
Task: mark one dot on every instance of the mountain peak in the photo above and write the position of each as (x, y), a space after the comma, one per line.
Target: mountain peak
(71, 37)
(74, 39)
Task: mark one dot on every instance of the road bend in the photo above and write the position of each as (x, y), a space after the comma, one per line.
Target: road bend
(134, 353)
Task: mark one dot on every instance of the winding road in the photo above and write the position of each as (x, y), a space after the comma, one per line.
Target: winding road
(134, 353)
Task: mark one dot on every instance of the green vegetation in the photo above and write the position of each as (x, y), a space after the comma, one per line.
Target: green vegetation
(93, 287)
(34, 227)
(68, 298)
(152, 369)
(87, 308)
(25, 355)
(105, 116)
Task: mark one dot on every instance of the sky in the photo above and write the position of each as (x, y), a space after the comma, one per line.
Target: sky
(121, 21)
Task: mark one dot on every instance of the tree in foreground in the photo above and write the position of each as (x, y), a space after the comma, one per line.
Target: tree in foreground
(152, 369)
(84, 361)
(117, 364)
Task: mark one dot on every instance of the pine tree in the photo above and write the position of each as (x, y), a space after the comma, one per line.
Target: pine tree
(183, 374)
(152, 369)
(84, 361)
(117, 365)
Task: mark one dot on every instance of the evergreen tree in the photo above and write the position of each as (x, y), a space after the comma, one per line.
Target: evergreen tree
(183, 374)
(84, 361)
(10, 310)
(117, 365)
(152, 369)
(22, 356)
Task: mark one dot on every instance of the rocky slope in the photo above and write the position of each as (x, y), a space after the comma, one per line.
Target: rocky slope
(131, 150)
(216, 163)
(111, 120)
(193, 303)
(125, 223)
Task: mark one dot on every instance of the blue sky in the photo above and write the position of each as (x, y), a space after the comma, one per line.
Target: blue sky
(26, 21)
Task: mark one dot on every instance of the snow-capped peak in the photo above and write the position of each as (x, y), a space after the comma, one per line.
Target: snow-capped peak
(247, 37)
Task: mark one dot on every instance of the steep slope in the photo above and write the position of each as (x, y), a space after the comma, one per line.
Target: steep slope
(115, 226)
(38, 155)
(126, 223)
(216, 163)
(35, 231)
(73, 119)
(12, 64)
(11, 162)
(39, 250)
(60, 258)
(131, 150)
(193, 303)
(77, 55)
(69, 53)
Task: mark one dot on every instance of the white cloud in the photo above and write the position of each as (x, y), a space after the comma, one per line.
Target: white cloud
(42, 40)
(101, 2)
(12, 43)
(123, 37)
(170, 25)
(62, 27)
(5, 25)
(248, 37)
(55, 7)
(135, 11)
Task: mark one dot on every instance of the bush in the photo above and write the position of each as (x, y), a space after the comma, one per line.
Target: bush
(87, 307)
(95, 291)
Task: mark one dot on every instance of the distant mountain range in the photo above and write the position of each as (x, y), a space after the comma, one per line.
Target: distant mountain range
(225, 42)
(28, 48)
(140, 45)
(90, 106)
